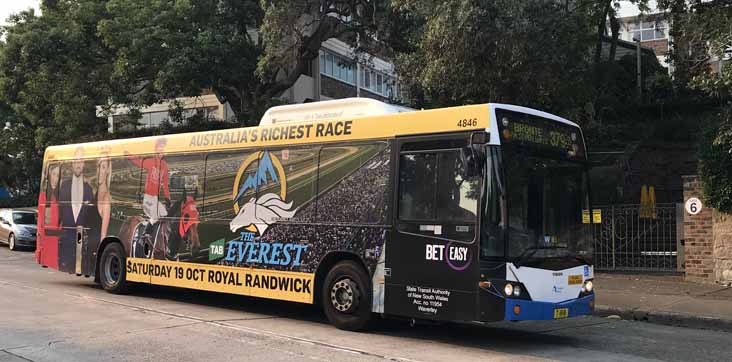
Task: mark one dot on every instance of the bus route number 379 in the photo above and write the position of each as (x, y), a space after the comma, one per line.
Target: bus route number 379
(467, 122)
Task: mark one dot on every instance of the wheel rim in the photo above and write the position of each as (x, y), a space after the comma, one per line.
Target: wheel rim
(345, 295)
(112, 269)
(12, 241)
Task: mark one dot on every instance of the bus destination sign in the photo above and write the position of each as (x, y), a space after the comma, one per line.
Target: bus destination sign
(528, 130)
(521, 132)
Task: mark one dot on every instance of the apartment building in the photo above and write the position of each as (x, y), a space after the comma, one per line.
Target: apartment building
(651, 29)
(337, 73)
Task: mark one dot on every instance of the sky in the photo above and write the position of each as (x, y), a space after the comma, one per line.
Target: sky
(8, 7)
(628, 9)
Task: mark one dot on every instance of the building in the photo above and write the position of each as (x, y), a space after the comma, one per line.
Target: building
(625, 48)
(651, 29)
(207, 105)
(337, 73)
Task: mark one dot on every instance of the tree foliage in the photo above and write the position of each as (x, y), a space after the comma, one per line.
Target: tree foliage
(534, 53)
(166, 49)
(715, 152)
(702, 33)
(20, 159)
(53, 70)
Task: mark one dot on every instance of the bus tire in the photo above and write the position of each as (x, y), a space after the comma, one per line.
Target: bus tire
(346, 296)
(112, 271)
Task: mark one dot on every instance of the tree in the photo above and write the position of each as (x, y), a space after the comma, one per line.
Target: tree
(702, 32)
(21, 159)
(247, 52)
(603, 11)
(168, 49)
(534, 53)
(54, 70)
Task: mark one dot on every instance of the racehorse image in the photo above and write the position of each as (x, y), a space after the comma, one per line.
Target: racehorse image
(163, 240)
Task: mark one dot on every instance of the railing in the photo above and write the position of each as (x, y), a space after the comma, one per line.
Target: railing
(630, 238)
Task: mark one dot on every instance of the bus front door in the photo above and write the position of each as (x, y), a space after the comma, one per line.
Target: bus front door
(432, 256)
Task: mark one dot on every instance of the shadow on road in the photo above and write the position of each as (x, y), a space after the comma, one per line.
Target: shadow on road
(497, 337)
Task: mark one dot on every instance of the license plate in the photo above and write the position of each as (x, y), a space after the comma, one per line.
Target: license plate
(560, 313)
(574, 279)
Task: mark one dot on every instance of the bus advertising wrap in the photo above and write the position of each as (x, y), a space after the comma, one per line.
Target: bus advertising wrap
(239, 221)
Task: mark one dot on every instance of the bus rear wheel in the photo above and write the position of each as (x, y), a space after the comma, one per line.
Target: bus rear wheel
(112, 269)
(346, 296)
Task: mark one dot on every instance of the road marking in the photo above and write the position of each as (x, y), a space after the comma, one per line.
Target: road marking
(223, 324)
(19, 357)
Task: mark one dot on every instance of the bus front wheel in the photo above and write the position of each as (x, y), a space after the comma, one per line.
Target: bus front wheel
(346, 296)
(112, 269)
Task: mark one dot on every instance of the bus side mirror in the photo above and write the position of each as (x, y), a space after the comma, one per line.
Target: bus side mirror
(473, 156)
(471, 161)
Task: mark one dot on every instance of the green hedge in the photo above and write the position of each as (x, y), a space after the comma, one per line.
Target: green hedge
(715, 166)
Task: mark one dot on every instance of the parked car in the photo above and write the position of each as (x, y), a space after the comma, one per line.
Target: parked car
(18, 228)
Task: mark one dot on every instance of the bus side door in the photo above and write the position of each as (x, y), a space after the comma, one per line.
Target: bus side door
(432, 255)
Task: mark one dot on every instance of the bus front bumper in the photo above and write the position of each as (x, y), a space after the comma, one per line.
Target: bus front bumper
(533, 310)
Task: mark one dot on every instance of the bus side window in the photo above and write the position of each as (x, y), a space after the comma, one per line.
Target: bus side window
(53, 175)
(186, 174)
(435, 199)
(417, 186)
(493, 238)
(222, 171)
(352, 183)
(124, 187)
(300, 169)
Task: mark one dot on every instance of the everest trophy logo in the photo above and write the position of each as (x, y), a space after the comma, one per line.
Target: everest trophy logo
(257, 213)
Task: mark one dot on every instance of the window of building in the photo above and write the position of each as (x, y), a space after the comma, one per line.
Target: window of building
(377, 82)
(337, 67)
(647, 30)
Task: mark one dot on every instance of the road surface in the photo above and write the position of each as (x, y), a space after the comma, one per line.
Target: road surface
(50, 316)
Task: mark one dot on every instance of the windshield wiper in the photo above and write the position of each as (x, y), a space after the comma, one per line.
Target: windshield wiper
(529, 252)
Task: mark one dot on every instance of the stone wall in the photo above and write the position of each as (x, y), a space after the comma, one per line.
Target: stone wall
(707, 240)
(722, 231)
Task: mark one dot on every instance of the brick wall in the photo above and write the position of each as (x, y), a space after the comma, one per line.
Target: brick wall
(332, 88)
(660, 47)
(698, 236)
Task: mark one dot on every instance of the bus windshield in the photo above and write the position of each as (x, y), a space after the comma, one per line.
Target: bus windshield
(545, 200)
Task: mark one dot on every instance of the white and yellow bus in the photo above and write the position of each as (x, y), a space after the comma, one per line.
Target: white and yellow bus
(471, 213)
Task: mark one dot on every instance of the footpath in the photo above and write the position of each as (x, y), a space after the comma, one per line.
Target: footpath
(663, 299)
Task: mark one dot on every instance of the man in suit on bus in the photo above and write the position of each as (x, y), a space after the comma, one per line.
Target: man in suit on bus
(75, 197)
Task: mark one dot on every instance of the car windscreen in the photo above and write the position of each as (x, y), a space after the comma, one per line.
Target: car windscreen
(24, 218)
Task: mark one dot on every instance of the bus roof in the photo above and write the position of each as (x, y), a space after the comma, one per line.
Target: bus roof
(358, 120)
(337, 108)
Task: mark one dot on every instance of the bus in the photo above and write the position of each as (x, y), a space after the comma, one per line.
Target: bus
(475, 213)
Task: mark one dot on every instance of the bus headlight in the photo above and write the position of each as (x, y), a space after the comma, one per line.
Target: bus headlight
(587, 287)
(508, 289)
(517, 291)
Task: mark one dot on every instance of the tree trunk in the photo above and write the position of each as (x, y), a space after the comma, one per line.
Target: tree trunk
(615, 28)
(601, 23)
